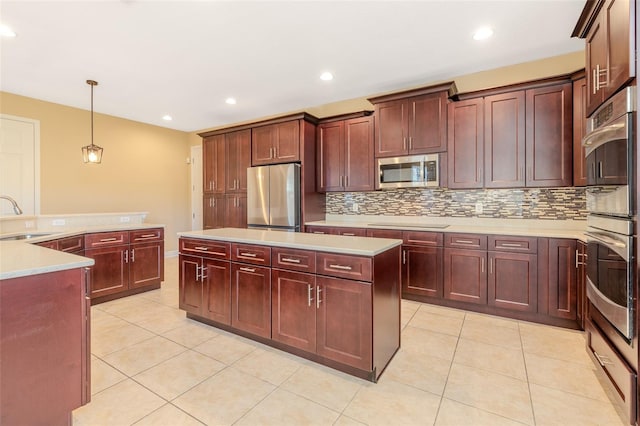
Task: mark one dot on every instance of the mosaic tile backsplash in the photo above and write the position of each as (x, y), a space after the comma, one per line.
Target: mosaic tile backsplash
(522, 203)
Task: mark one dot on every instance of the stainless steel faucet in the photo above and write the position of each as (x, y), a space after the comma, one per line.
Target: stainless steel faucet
(16, 208)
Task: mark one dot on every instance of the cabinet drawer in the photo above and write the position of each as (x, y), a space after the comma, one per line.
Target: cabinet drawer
(141, 235)
(71, 244)
(295, 260)
(102, 239)
(511, 243)
(209, 249)
(418, 238)
(53, 244)
(467, 241)
(344, 266)
(384, 233)
(319, 230)
(351, 232)
(247, 253)
(615, 368)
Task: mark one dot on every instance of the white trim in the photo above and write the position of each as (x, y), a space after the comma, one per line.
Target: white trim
(171, 253)
(36, 156)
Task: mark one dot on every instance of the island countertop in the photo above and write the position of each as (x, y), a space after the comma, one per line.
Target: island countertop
(18, 259)
(328, 243)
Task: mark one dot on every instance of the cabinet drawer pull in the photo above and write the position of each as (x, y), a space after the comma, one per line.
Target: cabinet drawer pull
(603, 360)
(247, 269)
(290, 260)
(201, 248)
(510, 245)
(318, 232)
(463, 242)
(341, 267)
(107, 240)
(248, 254)
(421, 242)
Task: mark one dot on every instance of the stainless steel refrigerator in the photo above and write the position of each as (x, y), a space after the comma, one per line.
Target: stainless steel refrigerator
(273, 197)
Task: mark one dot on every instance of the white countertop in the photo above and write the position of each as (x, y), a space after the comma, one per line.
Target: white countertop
(18, 259)
(521, 227)
(48, 234)
(328, 243)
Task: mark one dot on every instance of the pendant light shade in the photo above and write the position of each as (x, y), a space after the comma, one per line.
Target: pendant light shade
(92, 154)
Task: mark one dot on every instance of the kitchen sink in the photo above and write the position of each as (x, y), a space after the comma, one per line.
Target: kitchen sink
(25, 236)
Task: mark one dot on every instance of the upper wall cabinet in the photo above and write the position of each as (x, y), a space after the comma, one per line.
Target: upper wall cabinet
(512, 138)
(214, 164)
(275, 143)
(238, 146)
(607, 27)
(413, 122)
(345, 154)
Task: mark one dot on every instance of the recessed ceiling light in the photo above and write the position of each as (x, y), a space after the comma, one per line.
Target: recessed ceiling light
(326, 76)
(483, 33)
(167, 117)
(231, 101)
(6, 31)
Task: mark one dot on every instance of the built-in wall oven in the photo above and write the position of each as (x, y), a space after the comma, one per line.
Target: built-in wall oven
(609, 147)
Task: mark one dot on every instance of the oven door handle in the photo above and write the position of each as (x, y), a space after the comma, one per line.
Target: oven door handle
(620, 247)
(611, 132)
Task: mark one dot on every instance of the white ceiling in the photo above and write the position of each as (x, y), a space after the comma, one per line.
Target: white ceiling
(184, 58)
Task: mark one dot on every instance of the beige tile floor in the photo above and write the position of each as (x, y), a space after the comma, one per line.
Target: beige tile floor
(153, 366)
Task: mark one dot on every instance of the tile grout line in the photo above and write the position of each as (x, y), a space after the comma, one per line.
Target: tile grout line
(526, 373)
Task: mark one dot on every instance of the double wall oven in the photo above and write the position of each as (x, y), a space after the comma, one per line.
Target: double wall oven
(609, 146)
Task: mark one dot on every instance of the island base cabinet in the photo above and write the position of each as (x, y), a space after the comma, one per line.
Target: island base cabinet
(344, 321)
(293, 305)
(44, 348)
(190, 285)
(216, 290)
(251, 299)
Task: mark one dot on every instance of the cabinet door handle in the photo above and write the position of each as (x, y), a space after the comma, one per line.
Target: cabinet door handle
(126, 256)
(318, 301)
(410, 142)
(404, 257)
(482, 265)
(577, 256)
(490, 266)
(247, 269)
(593, 81)
(600, 170)
(290, 260)
(87, 282)
(404, 142)
(133, 255)
(346, 181)
(202, 275)
(197, 272)
(211, 185)
(341, 267)
(309, 297)
(248, 254)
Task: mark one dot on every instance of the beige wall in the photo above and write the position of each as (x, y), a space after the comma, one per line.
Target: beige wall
(143, 166)
(533, 70)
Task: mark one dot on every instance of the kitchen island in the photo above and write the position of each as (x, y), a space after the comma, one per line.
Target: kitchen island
(44, 334)
(332, 299)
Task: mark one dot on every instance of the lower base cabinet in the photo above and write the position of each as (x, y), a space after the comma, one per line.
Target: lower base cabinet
(513, 281)
(422, 271)
(343, 312)
(465, 275)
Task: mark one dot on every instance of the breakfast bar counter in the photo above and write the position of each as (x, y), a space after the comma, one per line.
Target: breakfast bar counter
(331, 299)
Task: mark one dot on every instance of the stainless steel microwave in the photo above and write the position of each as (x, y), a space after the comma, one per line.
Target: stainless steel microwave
(407, 172)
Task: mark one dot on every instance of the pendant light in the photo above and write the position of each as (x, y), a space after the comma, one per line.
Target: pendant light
(92, 154)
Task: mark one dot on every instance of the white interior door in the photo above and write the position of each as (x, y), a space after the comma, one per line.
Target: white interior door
(196, 188)
(20, 164)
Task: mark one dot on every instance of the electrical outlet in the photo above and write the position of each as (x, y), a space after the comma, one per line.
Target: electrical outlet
(479, 208)
(124, 219)
(355, 208)
(58, 222)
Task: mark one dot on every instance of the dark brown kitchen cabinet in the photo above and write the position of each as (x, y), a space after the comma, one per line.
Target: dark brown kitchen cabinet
(238, 159)
(558, 277)
(513, 281)
(251, 298)
(205, 279)
(413, 122)
(549, 136)
(608, 29)
(275, 143)
(126, 262)
(73, 244)
(579, 131)
(345, 155)
(422, 264)
(293, 308)
(214, 160)
(344, 328)
(235, 210)
(214, 206)
(466, 144)
(504, 140)
(465, 275)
